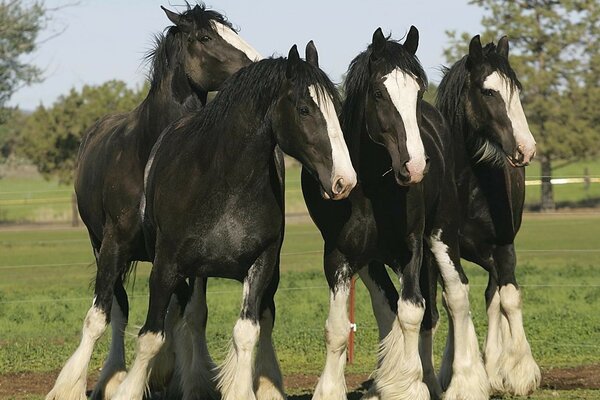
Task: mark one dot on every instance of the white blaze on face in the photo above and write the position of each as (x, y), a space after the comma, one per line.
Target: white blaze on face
(403, 89)
(514, 110)
(236, 41)
(342, 166)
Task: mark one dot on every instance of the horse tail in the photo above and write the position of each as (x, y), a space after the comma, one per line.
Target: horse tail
(129, 273)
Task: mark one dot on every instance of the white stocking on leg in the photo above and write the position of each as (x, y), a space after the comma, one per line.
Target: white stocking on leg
(400, 374)
(268, 382)
(71, 383)
(113, 371)
(332, 383)
(521, 375)
(235, 375)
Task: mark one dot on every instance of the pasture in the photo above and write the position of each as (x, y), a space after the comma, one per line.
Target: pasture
(32, 199)
(45, 277)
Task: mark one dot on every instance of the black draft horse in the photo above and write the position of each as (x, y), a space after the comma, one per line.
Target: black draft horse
(195, 56)
(394, 138)
(214, 205)
(479, 96)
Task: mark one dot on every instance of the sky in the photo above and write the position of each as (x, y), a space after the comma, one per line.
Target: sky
(107, 39)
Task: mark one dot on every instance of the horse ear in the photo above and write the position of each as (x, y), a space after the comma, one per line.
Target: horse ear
(312, 56)
(502, 48)
(412, 40)
(178, 20)
(378, 44)
(292, 59)
(475, 51)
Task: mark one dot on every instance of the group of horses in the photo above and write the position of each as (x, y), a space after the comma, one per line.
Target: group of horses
(197, 188)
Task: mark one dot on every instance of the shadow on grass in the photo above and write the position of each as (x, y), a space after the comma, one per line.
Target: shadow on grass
(351, 396)
(591, 202)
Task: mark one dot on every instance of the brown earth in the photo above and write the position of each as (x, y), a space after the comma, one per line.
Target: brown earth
(19, 385)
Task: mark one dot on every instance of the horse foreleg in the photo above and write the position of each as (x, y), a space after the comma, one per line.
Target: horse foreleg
(332, 383)
(235, 378)
(71, 383)
(114, 369)
(400, 373)
(429, 280)
(163, 281)
(463, 374)
(520, 373)
(268, 381)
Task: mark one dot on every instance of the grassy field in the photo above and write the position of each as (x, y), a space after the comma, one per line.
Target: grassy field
(33, 199)
(45, 292)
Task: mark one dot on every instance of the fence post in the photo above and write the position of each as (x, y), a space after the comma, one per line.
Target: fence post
(75, 211)
(352, 321)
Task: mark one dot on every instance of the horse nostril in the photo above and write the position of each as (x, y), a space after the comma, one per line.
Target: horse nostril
(339, 186)
(427, 165)
(403, 175)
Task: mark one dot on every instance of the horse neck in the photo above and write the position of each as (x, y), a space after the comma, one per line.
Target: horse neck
(168, 100)
(242, 145)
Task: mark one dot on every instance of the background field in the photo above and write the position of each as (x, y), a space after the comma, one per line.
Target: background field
(46, 271)
(45, 292)
(28, 198)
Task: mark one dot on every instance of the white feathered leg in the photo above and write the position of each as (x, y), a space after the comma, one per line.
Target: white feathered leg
(400, 373)
(493, 343)
(332, 383)
(235, 376)
(469, 380)
(268, 382)
(135, 383)
(520, 373)
(71, 383)
(114, 370)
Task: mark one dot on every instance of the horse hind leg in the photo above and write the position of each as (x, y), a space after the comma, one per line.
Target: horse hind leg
(268, 381)
(114, 370)
(71, 383)
(463, 374)
(520, 373)
(195, 367)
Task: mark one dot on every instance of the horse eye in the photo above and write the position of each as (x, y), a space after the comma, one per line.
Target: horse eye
(378, 94)
(205, 39)
(303, 110)
(487, 92)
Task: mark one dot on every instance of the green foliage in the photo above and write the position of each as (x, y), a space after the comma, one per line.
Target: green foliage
(20, 24)
(50, 136)
(554, 49)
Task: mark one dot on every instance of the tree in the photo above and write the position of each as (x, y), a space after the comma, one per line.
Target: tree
(554, 49)
(50, 137)
(20, 24)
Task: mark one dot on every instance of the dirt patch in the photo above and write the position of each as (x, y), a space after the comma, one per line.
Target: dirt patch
(39, 383)
(583, 377)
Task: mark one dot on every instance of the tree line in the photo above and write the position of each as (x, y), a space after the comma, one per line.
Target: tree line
(554, 50)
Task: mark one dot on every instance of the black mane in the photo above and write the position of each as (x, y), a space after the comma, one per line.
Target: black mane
(450, 102)
(258, 84)
(357, 79)
(168, 45)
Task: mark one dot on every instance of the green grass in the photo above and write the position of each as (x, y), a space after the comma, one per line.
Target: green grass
(45, 292)
(574, 192)
(34, 199)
